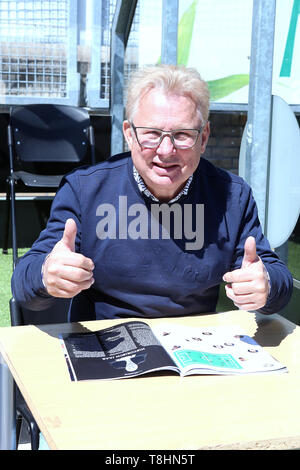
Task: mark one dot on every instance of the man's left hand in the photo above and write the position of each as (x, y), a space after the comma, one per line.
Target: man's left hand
(248, 287)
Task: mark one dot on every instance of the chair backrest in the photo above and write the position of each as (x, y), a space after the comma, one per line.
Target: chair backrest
(50, 133)
(56, 313)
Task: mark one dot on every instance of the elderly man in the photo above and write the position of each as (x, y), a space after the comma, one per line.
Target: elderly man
(154, 231)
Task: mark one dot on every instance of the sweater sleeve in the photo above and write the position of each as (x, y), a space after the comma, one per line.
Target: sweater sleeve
(26, 283)
(281, 281)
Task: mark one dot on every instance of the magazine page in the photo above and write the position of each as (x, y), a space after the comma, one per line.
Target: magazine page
(215, 350)
(125, 350)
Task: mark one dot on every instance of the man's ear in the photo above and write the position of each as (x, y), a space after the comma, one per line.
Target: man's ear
(127, 131)
(205, 136)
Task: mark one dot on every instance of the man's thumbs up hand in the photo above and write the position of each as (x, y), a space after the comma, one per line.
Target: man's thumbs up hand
(248, 287)
(250, 255)
(69, 236)
(66, 273)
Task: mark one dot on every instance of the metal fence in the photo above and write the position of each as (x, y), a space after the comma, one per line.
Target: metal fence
(45, 57)
(41, 51)
(98, 96)
(36, 58)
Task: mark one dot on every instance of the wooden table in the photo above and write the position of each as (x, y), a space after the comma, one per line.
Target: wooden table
(160, 411)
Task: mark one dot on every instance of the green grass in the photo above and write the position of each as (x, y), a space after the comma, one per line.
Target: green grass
(6, 266)
(294, 256)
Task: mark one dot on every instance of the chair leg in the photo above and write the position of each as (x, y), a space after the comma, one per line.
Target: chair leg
(13, 222)
(7, 220)
(23, 414)
(33, 430)
(18, 429)
(34, 436)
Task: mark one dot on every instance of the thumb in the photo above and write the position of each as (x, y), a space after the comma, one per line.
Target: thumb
(250, 255)
(69, 235)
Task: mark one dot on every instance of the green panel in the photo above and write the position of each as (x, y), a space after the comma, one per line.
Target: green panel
(290, 42)
(224, 86)
(185, 33)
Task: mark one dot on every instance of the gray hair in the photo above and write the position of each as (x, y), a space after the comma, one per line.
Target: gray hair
(169, 78)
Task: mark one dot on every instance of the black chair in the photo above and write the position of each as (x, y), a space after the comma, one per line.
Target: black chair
(57, 313)
(45, 142)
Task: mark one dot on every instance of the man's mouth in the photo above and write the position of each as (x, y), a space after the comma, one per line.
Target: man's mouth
(165, 166)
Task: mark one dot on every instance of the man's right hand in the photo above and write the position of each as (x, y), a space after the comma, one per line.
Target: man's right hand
(66, 273)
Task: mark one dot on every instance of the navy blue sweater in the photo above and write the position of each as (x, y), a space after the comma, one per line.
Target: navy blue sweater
(140, 271)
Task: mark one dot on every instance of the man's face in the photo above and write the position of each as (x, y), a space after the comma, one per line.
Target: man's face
(166, 169)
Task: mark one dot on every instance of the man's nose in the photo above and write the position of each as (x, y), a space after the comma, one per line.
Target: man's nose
(166, 145)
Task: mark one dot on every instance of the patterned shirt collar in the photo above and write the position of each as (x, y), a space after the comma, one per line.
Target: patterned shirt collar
(143, 188)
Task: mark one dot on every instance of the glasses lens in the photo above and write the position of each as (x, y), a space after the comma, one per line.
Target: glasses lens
(185, 139)
(148, 138)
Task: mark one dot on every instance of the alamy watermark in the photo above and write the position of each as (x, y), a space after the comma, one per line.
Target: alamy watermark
(162, 221)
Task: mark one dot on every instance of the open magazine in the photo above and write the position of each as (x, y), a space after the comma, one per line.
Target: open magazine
(133, 348)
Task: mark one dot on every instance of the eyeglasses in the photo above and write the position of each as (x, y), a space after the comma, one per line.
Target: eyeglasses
(150, 138)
